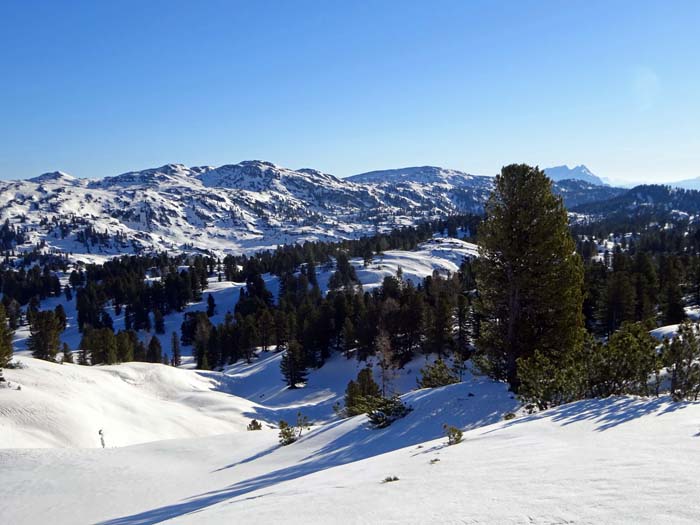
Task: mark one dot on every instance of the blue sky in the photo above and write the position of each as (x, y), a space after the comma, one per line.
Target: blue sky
(99, 88)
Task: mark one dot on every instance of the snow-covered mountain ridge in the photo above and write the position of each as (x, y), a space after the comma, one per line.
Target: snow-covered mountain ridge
(238, 208)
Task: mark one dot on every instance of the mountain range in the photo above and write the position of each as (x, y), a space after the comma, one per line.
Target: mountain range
(246, 207)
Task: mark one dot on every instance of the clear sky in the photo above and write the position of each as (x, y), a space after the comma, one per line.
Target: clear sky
(97, 88)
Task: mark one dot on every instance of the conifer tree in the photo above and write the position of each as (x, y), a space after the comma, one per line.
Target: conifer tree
(266, 328)
(293, 365)
(382, 346)
(67, 354)
(529, 277)
(158, 321)
(436, 375)
(362, 394)
(175, 349)
(211, 305)
(348, 337)
(44, 339)
(5, 339)
(681, 357)
(125, 342)
(201, 342)
(155, 351)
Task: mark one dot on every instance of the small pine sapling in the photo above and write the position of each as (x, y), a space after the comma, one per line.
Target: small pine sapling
(287, 435)
(254, 425)
(454, 435)
(387, 411)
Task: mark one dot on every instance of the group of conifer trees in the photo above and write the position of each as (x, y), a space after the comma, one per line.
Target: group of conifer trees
(536, 297)
(537, 308)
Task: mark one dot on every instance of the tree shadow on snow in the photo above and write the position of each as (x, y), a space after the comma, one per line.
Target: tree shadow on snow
(605, 413)
(345, 441)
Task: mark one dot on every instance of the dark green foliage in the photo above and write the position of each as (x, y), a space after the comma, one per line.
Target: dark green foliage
(256, 425)
(287, 435)
(126, 344)
(266, 329)
(436, 375)
(627, 364)
(6, 349)
(529, 277)
(293, 365)
(345, 275)
(454, 435)
(175, 350)
(158, 322)
(100, 346)
(202, 332)
(60, 313)
(154, 354)
(211, 305)
(682, 357)
(44, 340)
(361, 395)
(387, 411)
(67, 354)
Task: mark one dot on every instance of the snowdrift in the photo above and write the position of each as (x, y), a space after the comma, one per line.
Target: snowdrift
(66, 405)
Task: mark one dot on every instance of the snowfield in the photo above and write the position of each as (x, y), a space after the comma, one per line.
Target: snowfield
(618, 460)
(66, 405)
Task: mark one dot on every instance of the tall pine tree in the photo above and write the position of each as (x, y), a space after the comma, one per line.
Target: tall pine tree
(5, 339)
(529, 277)
(44, 335)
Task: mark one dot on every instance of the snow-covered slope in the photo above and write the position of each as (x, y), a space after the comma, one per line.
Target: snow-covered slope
(418, 174)
(66, 405)
(618, 460)
(63, 405)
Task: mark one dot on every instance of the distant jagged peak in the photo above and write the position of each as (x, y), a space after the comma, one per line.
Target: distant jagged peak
(53, 176)
(416, 174)
(580, 172)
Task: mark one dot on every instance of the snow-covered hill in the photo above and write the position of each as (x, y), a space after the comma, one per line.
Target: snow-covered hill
(66, 405)
(618, 460)
(243, 207)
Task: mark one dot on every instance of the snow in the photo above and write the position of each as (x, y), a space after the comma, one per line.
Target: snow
(617, 460)
(443, 255)
(66, 405)
(236, 208)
